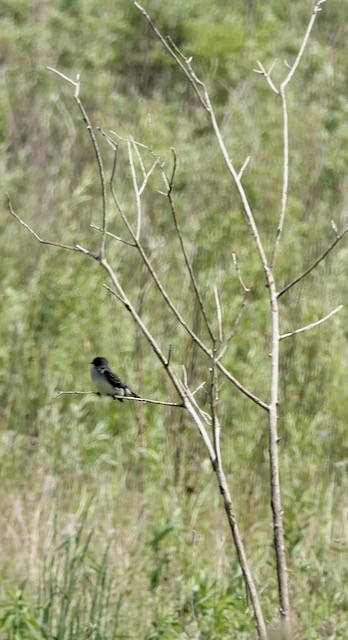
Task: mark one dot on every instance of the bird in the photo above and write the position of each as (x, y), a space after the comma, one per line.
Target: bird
(107, 382)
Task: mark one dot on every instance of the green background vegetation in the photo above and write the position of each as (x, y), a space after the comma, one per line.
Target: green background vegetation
(111, 523)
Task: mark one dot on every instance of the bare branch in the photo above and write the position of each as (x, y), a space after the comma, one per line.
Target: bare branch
(37, 237)
(156, 278)
(213, 401)
(131, 398)
(112, 235)
(293, 68)
(218, 313)
(200, 386)
(146, 174)
(174, 53)
(96, 151)
(242, 557)
(171, 179)
(285, 181)
(281, 92)
(243, 167)
(235, 262)
(267, 74)
(239, 386)
(201, 428)
(169, 354)
(114, 293)
(169, 186)
(242, 194)
(75, 393)
(142, 166)
(203, 414)
(62, 75)
(315, 264)
(136, 191)
(312, 325)
(234, 326)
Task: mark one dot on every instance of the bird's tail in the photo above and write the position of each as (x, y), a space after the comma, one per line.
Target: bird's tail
(129, 392)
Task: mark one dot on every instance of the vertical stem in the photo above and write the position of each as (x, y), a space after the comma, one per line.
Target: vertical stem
(278, 531)
(285, 176)
(242, 558)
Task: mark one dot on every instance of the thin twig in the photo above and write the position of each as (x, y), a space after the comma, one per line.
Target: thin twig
(294, 66)
(169, 354)
(169, 187)
(312, 325)
(213, 400)
(142, 166)
(37, 237)
(314, 265)
(236, 265)
(136, 191)
(243, 167)
(191, 394)
(218, 313)
(234, 325)
(285, 181)
(112, 235)
(204, 415)
(146, 174)
(200, 386)
(267, 74)
(114, 293)
(169, 49)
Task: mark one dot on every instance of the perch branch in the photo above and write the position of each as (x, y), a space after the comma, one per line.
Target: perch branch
(131, 398)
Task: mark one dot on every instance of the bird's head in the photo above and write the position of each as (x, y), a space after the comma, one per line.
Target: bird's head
(99, 361)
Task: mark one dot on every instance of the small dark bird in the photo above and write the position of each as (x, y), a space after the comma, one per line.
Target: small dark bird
(107, 382)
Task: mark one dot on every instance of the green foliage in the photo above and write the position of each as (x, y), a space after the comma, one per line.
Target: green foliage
(145, 466)
(17, 619)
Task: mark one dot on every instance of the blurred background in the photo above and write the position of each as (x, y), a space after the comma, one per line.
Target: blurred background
(111, 521)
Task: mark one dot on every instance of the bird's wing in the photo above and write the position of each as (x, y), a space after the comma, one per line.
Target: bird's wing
(113, 379)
